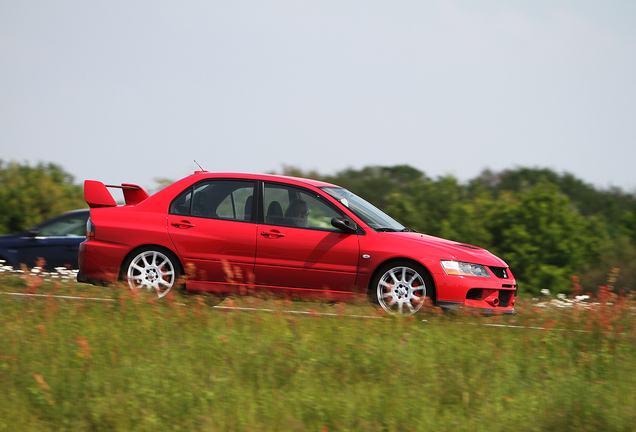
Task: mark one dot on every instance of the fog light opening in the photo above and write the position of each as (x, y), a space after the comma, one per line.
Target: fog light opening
(492, 300)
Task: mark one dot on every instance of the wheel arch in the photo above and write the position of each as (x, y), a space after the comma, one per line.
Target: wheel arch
(416, 263)
(138, 249)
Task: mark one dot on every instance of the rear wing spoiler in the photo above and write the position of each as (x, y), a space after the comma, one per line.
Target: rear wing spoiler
(96, 194)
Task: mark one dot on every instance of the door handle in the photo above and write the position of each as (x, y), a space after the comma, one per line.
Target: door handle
(184, 224)
(273, 234)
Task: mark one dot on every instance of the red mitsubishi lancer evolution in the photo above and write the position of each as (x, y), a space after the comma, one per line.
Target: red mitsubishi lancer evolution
(228, 233)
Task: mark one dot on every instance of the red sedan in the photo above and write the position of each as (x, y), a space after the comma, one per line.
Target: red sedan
(240, 233)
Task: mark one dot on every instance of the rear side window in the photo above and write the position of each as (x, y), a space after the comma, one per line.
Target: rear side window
(181, 205)
(216, 199)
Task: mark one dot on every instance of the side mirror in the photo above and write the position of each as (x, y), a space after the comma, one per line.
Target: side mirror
(32, 232)
(345, 225)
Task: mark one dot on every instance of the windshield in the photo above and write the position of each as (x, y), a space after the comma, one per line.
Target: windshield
(371, 215)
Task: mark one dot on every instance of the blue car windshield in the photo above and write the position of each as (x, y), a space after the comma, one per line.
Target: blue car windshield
(371, 215)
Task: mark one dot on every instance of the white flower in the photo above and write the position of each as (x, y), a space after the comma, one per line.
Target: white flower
(545, 291)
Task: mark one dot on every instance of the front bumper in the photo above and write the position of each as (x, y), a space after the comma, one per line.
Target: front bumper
(493, 295)
(458, 306)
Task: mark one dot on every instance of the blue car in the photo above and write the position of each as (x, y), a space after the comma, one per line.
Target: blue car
(56, 240)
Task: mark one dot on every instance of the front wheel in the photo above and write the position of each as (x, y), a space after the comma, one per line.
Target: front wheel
(401, 288)
(152, 270)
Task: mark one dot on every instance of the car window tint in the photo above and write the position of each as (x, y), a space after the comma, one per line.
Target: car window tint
(371, 215)
(181, 205)
(297, 207)
(235, 205)
(73, 225)
(217, 199)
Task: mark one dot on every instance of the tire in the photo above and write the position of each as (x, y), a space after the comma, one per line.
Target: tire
(401, 288)
(153, 269)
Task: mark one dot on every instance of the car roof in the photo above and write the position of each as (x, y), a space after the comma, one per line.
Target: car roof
(266, 177)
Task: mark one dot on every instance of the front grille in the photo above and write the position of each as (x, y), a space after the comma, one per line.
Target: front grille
(504, 296)
(500, 272)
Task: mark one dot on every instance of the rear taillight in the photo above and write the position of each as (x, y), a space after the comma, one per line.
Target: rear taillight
(90, 228)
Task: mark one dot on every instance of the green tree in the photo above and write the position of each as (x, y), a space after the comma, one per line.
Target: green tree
(618, 254)
(377, 184)
(587, 199)
(29, 195)
(543, 241)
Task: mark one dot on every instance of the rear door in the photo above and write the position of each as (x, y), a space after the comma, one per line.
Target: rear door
(211, 227)
(298, 248)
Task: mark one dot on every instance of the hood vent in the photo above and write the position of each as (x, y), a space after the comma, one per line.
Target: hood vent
(467, 246)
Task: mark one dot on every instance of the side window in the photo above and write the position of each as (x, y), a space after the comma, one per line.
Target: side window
(216, 199)
(298, 207)
(237, 205)
(276, 199)
(181, 204)
(73, 225)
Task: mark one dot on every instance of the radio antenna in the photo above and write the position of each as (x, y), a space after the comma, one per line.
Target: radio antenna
(198, 165)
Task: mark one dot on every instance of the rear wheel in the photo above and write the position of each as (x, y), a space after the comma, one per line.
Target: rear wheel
(153, 270)
(401, 288)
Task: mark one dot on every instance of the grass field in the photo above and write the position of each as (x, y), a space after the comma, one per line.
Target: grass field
(139, 364)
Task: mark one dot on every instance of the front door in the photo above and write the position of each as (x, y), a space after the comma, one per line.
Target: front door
(297, 248)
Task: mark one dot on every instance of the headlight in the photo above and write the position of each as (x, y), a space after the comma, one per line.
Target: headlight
(458, 268)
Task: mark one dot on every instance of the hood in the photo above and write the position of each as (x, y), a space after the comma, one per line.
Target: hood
(454, 250)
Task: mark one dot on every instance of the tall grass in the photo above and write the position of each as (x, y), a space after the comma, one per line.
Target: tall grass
(136, 363)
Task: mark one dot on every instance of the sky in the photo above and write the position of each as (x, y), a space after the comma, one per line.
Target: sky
(133, 91)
